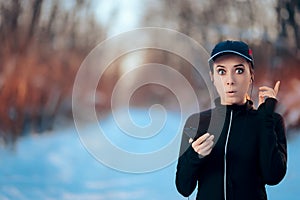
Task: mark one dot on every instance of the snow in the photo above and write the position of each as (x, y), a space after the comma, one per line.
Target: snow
(57, 166)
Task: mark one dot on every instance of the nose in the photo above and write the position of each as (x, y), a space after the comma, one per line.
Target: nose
(230, 79)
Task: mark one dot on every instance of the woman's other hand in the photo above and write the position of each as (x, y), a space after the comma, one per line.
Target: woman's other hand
(203, 145)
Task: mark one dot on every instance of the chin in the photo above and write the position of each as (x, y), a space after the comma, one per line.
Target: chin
(237, 101)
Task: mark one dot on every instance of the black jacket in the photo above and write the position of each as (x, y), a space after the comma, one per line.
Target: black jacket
(256, 153)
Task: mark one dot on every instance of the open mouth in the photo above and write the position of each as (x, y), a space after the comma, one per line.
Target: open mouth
(231, 92)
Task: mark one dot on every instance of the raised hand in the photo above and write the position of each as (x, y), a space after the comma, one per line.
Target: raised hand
(265, 92)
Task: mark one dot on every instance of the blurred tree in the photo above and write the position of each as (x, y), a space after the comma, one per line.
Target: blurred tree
(43, 45)
(36, 12)
(288, 14)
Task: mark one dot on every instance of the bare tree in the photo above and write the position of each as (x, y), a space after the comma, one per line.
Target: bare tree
(287, 10)
(40, 46)
(36, 12)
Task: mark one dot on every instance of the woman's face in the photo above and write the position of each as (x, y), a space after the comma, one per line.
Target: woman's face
(232, 78)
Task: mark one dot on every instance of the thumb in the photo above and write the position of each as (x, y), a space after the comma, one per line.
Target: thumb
(261, 99)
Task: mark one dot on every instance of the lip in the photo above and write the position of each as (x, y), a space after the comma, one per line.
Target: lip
(231, 92)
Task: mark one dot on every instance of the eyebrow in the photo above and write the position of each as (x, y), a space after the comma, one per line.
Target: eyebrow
(235, 66)
(239, 65)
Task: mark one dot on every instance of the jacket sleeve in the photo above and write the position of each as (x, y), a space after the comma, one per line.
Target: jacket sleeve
(189, 162)
(188, 167)
(273, 145)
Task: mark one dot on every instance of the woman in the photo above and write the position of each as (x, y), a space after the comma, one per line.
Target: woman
(237, 149)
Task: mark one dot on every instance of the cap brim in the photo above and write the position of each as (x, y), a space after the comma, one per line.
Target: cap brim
(228, 51)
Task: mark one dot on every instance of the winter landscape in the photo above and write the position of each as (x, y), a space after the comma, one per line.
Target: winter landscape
(57, 166)
(147, 54)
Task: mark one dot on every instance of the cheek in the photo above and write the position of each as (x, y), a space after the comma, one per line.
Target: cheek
(219, 79)
(219, 83)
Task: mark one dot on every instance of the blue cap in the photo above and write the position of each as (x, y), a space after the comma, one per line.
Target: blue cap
(235, 47)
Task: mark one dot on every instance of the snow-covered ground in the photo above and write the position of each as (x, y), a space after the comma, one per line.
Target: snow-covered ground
(57, 166)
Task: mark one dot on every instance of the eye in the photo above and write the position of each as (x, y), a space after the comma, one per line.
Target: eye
(221, 71)
(239, 70)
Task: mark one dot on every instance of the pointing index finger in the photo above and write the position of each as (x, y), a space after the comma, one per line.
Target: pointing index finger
(276, 88)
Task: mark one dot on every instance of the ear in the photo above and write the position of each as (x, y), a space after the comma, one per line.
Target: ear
(211, 77)
(252, 79)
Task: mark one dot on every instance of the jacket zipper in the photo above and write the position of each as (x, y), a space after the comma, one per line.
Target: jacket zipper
(225, 154)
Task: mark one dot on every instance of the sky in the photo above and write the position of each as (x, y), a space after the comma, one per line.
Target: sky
(126, 16)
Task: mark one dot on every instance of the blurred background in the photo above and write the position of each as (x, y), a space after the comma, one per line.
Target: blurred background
(44, 42)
